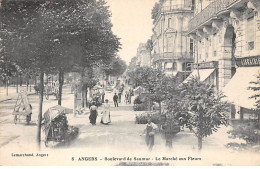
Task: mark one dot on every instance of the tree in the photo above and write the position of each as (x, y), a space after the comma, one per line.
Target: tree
(82, 32)
(149, 47)
(156, 9)
(255, 86)
(206, 111)
(156, 83)
(116, 67)
(26, 41)
(248, 131)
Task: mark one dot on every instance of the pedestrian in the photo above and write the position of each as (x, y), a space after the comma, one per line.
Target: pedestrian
(149, 132)
(115, 99)
(103, 96)
(126, 97)
(129, 96)
(93, 113)
(105, 119)
(119, 95)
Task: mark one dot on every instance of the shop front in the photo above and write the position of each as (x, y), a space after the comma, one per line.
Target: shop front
(238, 91)
(206, 72)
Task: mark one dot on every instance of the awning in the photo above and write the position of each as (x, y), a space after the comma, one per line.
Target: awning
(204, 74)
(237, 89)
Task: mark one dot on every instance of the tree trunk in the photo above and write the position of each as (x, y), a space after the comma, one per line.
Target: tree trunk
(40, 111)
(61, 81)
(27, 85)
(17, 82)
(30, 87)
(199, 143)
(160, 107)
(35, 80)
(82, 89)
(21, 80)
(6, 83)
(86, 96)
(168, 137)
(75, 101)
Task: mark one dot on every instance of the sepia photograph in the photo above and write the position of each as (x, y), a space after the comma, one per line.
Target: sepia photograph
(129, 83)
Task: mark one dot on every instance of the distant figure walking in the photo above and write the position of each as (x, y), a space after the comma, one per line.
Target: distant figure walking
(105, 119)
(126, 97)
(115, 99)
(93, 114)
(149, 131)
(119, 96)
(103, 96)
(129, 96)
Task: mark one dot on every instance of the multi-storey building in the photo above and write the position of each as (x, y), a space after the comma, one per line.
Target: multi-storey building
(172, 48)
(143, 55)
(226, 36)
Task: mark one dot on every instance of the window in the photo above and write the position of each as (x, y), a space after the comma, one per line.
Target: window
(186, 66)
(214, 53)
(169, 44)
(214, 44)
(169, 22)
(191, 47)
(207, 55)
(250, 31)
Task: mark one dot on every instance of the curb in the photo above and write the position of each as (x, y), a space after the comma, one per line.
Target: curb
(13, 98)
(4, 100)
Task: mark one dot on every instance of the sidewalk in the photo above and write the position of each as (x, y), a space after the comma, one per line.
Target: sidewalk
(12, 94)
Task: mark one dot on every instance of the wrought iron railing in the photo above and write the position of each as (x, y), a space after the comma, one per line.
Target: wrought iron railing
(209, 12)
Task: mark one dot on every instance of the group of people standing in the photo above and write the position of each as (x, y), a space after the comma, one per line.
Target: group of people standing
(105, 113)
(149, 130)
(128, 96)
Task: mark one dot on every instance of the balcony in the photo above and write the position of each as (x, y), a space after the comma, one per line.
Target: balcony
(173, 55)
(165, 9)
(211, 11)
(174, 8)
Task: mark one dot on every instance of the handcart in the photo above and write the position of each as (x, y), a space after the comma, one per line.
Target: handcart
(22, 108)
(55, 126)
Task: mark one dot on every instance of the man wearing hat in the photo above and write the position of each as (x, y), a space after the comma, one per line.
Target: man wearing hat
(115, 99)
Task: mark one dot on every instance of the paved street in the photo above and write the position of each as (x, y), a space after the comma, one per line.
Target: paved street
(121, 136)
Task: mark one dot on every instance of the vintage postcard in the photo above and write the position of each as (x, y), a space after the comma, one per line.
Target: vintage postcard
(129, 83)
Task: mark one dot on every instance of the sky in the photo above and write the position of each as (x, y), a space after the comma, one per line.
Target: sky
(132, 23)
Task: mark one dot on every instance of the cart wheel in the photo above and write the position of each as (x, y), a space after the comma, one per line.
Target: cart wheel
(15, 119)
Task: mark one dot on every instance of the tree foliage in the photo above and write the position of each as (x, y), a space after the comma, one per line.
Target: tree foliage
(255, 86)
(205, 110)
(116, 68)
(156, 9)
(157, 84)
(54, 36)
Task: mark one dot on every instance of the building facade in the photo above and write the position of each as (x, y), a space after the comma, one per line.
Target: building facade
(172, 48)
(143, 56)
(226, 36)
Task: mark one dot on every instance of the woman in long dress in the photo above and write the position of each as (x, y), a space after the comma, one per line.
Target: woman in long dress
(93, 114)
(105, 119)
